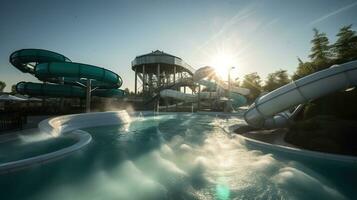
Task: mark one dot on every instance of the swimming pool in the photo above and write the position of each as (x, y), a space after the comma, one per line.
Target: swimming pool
(32, 145)
(179, 156)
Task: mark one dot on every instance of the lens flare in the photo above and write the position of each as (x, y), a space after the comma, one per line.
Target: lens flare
(225, 62)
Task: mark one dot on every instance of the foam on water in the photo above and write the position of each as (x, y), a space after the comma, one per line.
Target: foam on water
(123, 182)
(186, 158)
(37, 137)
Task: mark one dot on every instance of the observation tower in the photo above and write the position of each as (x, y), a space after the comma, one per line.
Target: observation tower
(158, 70)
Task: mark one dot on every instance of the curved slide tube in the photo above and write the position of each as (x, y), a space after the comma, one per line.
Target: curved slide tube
(209, 72)
(236, 95)
(237, 99)
(188, 97)
(178, 95)
(65, 76)
(266, 111)
(199, 76)
(222, 85)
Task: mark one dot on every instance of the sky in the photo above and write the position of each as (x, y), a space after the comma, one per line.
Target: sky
(258, 36)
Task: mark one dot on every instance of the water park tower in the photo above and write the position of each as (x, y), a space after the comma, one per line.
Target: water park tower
(156, 70)
(159, 75)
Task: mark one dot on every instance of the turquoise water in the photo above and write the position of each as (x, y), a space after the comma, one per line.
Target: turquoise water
(27, 146)
(185, 156)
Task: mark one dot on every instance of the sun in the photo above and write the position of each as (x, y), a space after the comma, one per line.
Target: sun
(222, 62)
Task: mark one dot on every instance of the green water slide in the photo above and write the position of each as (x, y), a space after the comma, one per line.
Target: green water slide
(62, 77)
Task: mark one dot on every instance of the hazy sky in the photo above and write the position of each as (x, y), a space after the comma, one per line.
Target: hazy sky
(263, 36)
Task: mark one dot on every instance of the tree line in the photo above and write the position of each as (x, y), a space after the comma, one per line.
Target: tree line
(3, 85)
(322, 55)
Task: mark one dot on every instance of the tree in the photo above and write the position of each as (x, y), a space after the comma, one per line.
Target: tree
(304, 69)
(345, 48)
(2, 86)
(13, 89)
(320, 50)
(276, 80)
(126, 90)
(320, 56)
(252, 81)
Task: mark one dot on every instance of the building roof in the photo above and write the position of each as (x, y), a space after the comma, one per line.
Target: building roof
(157, 53)
(166, 60)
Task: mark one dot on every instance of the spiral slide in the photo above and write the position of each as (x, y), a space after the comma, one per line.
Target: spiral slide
(65, 78)
(267, 111)
(219, 86)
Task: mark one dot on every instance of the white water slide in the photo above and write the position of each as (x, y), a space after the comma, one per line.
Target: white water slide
(188, 97)
(199, 76)
(266, 112)
(209, 72)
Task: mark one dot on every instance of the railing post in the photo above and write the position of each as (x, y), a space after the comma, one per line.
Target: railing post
(136, 81)
(88, 95)
(144, 78)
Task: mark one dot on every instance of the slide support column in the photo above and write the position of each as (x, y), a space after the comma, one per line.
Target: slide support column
(136, 81)
(174, 74)
(199, 97)
(144, 78)
(88, 95)
(61, 99)
(158, 76)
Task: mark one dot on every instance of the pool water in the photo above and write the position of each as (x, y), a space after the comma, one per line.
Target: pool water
(179, 156)
(27, 146)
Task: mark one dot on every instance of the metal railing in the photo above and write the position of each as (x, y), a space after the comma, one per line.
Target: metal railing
(10, 121)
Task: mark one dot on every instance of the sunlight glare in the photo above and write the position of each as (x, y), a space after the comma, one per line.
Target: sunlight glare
(222, 61)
